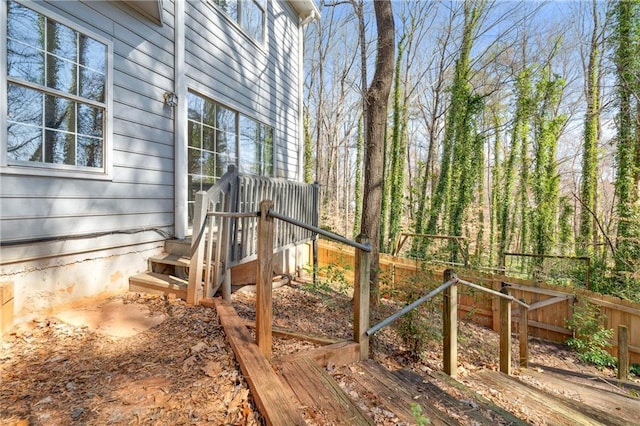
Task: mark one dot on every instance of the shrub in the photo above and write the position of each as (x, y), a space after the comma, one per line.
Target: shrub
(590, 339)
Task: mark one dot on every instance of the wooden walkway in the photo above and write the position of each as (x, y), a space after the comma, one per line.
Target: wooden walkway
(558, 409)
(297, 388)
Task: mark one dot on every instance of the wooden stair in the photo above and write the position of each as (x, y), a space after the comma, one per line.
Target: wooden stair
(167, 274)
(548, 408)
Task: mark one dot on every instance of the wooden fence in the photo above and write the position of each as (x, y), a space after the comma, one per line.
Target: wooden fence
(551, 306)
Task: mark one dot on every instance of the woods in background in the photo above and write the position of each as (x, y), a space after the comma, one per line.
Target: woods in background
(513, 124)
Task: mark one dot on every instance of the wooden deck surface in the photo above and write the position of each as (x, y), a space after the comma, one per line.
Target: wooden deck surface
(275, 400)
(552, 409)
(324, 401)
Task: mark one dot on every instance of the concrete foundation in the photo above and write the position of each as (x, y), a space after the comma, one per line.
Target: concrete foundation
(45, 286)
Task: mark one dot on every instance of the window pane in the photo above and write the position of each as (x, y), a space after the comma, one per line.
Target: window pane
(209, 164)
(61, 74)
(208, 138)
(25, 63)
(250, 167)
(92, 84)
(24, 143)
(248, 128)
(93, 54)
(226, 119)
(90, 120)
(226, 142)
(222, 163)
(24, 105)
(194, 134)
(209, 113)
(61, 41)
(195, 105)
(25, 25)
(59, 148)
(89, 152)
(230, 7)
(59, 113)
(194, 161)
(252, 20)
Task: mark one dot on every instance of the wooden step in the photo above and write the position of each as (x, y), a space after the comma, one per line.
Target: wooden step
(478, 409)
(598, 395)
(324, 401)
(172, 259)
(398, 396)
(170, 264)
(178, 247)
(155, 283)
(547, 408)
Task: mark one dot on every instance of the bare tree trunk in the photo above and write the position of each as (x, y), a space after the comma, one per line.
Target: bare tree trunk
(377, 103)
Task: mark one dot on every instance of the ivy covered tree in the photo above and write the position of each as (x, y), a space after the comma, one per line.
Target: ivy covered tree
(456, 183)
(546, 182)
(627, 60)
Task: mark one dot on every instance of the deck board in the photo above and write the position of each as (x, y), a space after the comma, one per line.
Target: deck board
(554, 409)
(276, 401)
(398, 396)
(325, 401)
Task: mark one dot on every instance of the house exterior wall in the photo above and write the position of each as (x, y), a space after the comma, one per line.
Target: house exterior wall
(261, 81)
(67, 239)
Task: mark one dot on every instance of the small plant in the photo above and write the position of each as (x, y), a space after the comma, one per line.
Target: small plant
(421, 420)
(330, 278)
(415, 328)
(635, 369)
(590, 339)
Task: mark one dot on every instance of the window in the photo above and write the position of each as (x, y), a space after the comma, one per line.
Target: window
(219, 136)
(249, 14)
(56, 80)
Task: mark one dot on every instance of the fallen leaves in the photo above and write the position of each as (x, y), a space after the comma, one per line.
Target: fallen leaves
(180, 371)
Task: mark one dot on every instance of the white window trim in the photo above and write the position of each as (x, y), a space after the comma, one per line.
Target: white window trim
(45, 169)
(260, 45)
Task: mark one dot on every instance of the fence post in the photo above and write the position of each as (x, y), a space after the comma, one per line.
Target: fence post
(195, 269)
(623, 353)
(505, 333)
(361, 298)
(264, 279)
(524, 336)
(450, 325)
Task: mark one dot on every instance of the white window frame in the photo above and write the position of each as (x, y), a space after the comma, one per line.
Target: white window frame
(46, 169)
(262, 5)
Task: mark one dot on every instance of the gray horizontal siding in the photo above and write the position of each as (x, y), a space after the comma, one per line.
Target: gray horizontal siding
(220, 61)
(82, 224)
(263, 83)
(140, 193)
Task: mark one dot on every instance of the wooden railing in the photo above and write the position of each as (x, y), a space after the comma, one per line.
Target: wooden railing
(449, 290)
(264, 310)
(228, 213)
(550, 305)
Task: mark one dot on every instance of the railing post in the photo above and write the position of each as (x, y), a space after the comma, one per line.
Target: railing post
(197, 261)
(361, 298)
(505, 333)
(450, 326)
(623, 353)
(523, 335)
(264, 279)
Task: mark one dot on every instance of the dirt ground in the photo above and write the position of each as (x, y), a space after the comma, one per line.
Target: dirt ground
(142, 359)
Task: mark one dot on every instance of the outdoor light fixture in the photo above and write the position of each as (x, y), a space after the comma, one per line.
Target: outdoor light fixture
(170, 99)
